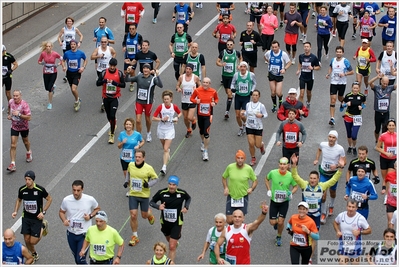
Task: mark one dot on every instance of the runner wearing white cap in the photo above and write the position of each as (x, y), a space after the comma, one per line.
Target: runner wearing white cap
(332, 154)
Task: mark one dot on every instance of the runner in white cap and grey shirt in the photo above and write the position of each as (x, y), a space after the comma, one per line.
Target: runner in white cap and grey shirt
(332, 153)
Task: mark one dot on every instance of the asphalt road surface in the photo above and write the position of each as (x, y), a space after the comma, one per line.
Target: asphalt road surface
(69, 145)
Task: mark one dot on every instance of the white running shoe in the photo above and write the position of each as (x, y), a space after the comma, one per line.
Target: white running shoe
(205, 156)
(149, 138)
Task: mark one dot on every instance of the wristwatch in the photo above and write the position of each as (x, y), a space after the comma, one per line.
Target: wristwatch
(44, 212)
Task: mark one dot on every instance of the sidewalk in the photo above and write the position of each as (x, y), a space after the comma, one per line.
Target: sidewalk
(31, 33)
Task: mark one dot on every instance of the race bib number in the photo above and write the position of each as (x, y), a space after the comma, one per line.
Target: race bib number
(389, 31)
(187, 92)
(335, 76)
(274, 69)
(110, 88)
(299, 239)
(77, 224)
(392, 189)
(313, 205)
(327, 165)
(383, 104)
(348, 241)
(170, 215)
(224, 37)
(127, 154)
(243, 88)
(290, 137)
(73, 64)
(224, 11)
(237, 203)
(391, 149)
(195, 66)
(179, 47)
(280, 196)
(48, 69)
(305, 67)
(142, 94)
(358, 197)
(252, 122)
(30, 206)
(362, 61)
(99, 249)
(205, 108)
(4, 70)
(103, 66)
(365, 29)
(357, 120)
(181, 16)
(131, 18)
(68, 37)
(136, 184)
(228, 67)
(248, 46)
(321, 23)
(131, 49)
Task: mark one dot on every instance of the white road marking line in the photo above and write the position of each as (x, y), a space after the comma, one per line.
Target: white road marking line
(263, 159)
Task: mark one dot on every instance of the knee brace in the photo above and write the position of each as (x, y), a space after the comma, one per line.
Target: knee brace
(206, 136)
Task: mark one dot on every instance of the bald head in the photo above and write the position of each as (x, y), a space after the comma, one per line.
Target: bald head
(9, 237)
(238, 213)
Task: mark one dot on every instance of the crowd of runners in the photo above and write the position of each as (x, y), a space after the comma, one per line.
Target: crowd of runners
(140, 74)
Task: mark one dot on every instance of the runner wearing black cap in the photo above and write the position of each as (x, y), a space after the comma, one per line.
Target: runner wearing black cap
(34, 226)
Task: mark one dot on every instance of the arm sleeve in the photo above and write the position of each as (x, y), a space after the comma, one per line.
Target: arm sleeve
(233, 81)
(188, 201)
(303, 132)
(157, 112)
(202, 60)
(372, 56)
(158, 81)
(302, 183)
(122, 83)
(348, 188)
(152, 182)
(253, 78)
(314, 236)
(373, 194)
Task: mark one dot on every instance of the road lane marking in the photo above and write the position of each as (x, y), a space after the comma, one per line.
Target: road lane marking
(264, 157)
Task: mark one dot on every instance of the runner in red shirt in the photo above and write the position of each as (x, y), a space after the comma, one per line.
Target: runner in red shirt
(224, 31)
(391, 185)
(132, 12)
(238, 238)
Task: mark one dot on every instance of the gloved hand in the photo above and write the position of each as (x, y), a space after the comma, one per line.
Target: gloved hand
(145, 184)
(125, 184)
(376, 180)
(233, 90)
(269, 193)
(9, 72)
(290, 232)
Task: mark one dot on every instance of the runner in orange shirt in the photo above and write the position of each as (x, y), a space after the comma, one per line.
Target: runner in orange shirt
(206, 98)
(303, 230)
